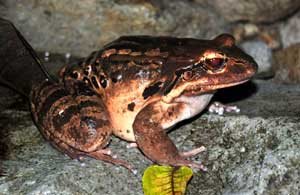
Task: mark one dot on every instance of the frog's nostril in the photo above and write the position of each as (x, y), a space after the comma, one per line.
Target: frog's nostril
(237, 69)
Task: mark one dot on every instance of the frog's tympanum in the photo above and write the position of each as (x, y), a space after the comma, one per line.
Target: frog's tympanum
(137, 88)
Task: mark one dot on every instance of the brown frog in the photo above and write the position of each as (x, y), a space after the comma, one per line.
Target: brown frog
(137, 88)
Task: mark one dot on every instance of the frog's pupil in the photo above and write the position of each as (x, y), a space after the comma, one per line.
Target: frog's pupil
(215, 62)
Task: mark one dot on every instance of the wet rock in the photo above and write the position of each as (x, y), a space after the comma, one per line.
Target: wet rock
(62, 26)
(242, 159)
(262, 54)
(290, 31)
(255, 11)
(287, 64)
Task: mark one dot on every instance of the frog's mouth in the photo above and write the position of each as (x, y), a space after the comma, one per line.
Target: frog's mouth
(193, 90)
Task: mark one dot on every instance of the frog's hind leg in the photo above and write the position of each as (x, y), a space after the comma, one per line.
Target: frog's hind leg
(76, 124)
(99, 154)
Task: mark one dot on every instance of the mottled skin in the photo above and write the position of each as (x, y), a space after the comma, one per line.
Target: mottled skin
(137, 88)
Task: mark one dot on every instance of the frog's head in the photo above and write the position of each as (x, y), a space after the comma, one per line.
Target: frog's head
(212, 65)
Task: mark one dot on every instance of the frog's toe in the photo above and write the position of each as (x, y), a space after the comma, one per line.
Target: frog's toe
(198, 166)
(184, 162)
(100, 155)
(193, 152)
(132, 145)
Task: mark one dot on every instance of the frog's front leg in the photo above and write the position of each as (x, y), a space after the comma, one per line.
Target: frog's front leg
(75, 123)
(154, 142)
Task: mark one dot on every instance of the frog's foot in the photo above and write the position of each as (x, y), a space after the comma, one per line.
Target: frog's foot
(219, 108)
(193, 152)
(101, 154)
(183, 162)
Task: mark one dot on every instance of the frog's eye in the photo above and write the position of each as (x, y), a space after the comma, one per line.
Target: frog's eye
(215, 64)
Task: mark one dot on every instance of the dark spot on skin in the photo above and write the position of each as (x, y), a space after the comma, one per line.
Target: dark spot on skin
(64, 117)
(114, 80)
(131, 106)
(103, 81)
(88, 104)
(74, 75)
(127, 131)
(85, 72)
(95, 83)
(82, 88)
(115, 76)
(149, 91)
(86, 80)
(170, 86)
(94, 69)
(49, 101)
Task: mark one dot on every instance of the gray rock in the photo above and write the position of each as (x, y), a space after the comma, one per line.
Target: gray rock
(255, 10)
(290, 31)
(287, 64)
(262, 54)
(62, 26)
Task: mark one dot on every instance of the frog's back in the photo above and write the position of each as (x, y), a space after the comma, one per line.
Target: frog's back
(132, 76)
(125, 74)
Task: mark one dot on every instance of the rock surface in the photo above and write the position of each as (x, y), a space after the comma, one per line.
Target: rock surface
(290, 31)
(255, 10)
(262, 55)
(287, 64)
(72, 26)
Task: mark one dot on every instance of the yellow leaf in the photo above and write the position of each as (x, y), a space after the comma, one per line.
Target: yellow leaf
(166, 180)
